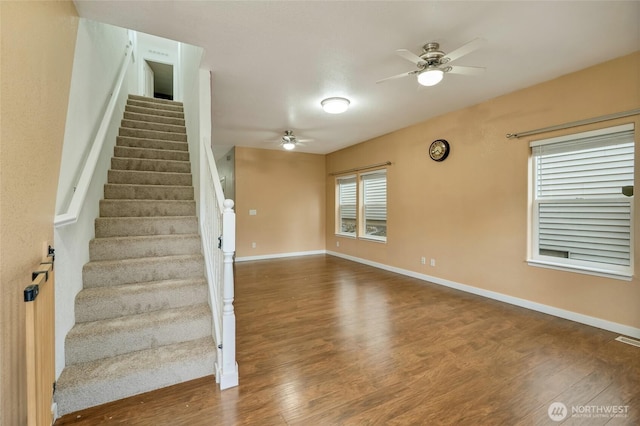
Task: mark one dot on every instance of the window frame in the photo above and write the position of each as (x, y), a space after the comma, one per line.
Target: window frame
(534, 257)
(339, 205)
(360, 231)
(363, 177)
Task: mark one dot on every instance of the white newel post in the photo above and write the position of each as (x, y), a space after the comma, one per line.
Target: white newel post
(229, 376)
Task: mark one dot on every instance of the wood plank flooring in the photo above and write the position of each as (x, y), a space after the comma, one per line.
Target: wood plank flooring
(325, 341)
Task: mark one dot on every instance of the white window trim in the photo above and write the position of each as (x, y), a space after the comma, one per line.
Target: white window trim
(359, 234)
(535, 259)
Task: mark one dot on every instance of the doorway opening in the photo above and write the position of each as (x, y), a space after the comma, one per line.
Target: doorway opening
(158, 80)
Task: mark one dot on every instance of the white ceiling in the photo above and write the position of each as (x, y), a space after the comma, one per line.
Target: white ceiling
(274, 61)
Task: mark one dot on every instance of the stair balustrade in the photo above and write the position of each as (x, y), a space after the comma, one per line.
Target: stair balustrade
(218, 228)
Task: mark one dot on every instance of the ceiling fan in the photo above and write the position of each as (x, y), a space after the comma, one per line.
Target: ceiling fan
(433, 63)
(288, 141)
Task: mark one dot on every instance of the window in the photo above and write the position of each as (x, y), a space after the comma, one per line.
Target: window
(362, 205)
(374, 205)
(581, 219)
(347, 197)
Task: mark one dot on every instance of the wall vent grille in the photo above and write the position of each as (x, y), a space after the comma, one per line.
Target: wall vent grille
(628, 341)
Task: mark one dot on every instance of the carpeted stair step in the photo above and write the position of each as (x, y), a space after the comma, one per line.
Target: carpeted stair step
(89, 384)
(147, 192)
(162, 225)
(144, 208)
(154, 100)
(102, 273)
(135, 142)
(150, 154)
(152, 134)
(149, 110)
(141, 164)
(139, 177)
(158, 106)
(147, 125)
(132, 247)
(152, 118)
(157, 144)
(90, 341)
(99, 303)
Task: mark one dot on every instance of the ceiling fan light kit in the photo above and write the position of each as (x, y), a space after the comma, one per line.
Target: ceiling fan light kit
(430, 77)
(335, 105)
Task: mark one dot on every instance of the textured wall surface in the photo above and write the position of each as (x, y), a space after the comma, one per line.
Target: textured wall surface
(38, 40)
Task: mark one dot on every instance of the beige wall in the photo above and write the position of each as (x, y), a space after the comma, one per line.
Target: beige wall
(469, 213)
(287, 190)
(38, 40)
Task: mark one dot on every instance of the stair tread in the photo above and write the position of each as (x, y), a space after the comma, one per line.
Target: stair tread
(138, 286)
(159, 160)
(146, 237)
(122, 365)
(138, 321)
(97, 382)
(99, 303)
(161, 259)
(150, 185)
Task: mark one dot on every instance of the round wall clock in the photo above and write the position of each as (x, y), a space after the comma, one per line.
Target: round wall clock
(439, 150)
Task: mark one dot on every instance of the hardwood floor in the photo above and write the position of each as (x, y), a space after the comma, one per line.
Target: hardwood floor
(325, 341)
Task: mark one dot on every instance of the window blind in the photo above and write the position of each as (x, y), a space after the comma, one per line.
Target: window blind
(374, 189)
(581, 213)
(347, 198)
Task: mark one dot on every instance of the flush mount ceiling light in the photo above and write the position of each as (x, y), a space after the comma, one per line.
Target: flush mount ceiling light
(430, 77)
(335, 105)
(288, 140)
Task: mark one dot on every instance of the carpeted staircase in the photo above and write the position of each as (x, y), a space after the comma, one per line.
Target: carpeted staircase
(142, 318)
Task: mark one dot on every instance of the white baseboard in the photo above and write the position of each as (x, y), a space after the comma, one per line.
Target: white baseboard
(279, 255)
(534, 306)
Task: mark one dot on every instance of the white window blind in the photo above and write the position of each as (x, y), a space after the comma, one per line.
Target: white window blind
(347, 205)
(581, 218)
(374, 189)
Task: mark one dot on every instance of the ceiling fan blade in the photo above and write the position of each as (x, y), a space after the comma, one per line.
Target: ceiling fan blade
(404, 74)
(465, 49)
(457, 69)
(404, 53)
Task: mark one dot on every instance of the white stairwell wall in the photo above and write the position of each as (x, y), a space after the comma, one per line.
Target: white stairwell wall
(98, 57)
(99, 54)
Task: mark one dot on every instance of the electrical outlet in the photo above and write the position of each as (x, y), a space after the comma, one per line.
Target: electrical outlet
(433, 262)
(423, 260)
(253, 245)
(337, 243)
